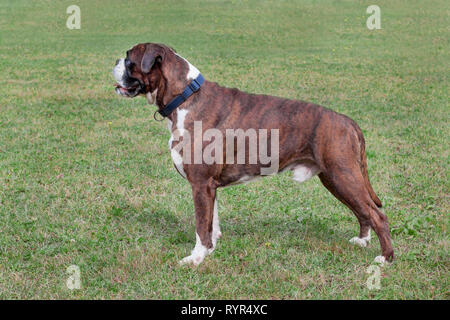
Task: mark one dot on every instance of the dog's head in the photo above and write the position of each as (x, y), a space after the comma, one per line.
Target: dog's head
(151, 69)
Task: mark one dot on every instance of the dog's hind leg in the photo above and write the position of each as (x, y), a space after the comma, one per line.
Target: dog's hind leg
(206, 223)
(347, 184)
(364, 231)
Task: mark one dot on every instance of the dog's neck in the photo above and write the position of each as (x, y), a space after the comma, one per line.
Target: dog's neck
(192, 71)
(177, 80)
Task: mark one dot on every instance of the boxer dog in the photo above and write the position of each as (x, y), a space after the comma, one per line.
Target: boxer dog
(311, 139)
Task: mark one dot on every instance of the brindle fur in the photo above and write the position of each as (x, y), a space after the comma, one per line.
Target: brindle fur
(308, 134)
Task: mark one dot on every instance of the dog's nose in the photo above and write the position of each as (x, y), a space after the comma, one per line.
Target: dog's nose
(117, 61)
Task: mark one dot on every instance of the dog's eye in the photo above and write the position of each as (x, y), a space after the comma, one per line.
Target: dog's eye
(128, 64)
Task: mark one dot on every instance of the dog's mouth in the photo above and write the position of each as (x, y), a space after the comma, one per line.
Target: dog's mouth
(128, 92)
(126, 85)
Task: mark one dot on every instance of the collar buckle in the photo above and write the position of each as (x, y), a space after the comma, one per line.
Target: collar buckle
(194, 85)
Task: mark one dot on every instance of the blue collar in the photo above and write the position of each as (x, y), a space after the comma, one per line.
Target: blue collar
(191, 88)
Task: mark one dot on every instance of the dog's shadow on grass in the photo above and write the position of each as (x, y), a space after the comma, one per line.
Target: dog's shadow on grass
(283, 227)
(169, 228)
(277, 228)
(172, 229)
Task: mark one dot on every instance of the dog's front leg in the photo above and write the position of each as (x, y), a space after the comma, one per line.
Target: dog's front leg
(206, 237)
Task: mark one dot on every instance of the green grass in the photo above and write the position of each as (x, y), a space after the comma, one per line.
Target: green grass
(86, 177)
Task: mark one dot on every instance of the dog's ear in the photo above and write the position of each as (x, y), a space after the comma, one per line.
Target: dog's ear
(153, 53)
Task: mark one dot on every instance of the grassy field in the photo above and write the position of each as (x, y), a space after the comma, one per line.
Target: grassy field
(86, 178)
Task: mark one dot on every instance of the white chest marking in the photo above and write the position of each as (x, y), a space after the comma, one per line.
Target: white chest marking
(169, 126)
(193, 71)
(176, 156)
(181, 116)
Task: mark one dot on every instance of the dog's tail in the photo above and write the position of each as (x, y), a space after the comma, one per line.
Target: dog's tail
(364, 169)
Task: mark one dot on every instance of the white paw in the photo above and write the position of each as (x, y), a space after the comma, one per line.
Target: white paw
(192, 259)
(362, 242)
(198, 254)
(380, 260)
